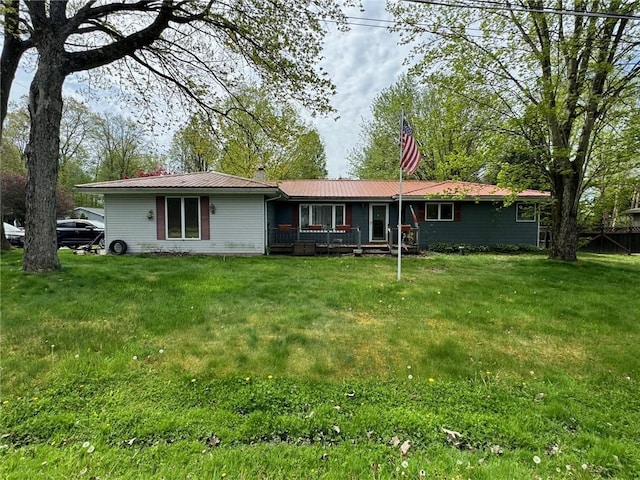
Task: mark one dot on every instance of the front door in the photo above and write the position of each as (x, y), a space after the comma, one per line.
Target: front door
(378, 221)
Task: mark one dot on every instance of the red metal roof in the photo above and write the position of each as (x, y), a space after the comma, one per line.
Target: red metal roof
(184, 180)
(318, 189)
(390, 188)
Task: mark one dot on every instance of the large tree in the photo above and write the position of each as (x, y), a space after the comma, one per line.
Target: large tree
(121, 149)
(565, 66)
(448, 128)
(613, 177)
(259, 131)
(194, 147)
(273, 136)
(197, 47)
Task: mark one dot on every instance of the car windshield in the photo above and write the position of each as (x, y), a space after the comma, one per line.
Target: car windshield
(97, 223)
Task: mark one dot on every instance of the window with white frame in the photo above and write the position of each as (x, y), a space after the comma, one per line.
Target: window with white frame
(183, 217)
(525, 212)
(440, 212)
(321, 216)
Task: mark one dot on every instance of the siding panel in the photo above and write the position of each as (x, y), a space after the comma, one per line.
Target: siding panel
(483, 224)
(237, 227)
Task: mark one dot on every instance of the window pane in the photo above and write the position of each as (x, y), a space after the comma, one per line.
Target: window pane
(446, 211)
(432, 211)
(304, 216)
(526, 212)
(322, 215)
(174, 218)
(191, 218)
(340, 215)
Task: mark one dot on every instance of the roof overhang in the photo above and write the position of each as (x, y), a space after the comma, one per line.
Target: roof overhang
(340, 199)
(472, 198)
(179, 191)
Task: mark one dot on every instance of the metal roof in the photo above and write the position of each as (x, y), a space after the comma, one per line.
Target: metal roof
(351, 189)
(314, 189)
(197, 180)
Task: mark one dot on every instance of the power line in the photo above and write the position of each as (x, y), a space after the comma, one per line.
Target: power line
(491, 5)
(479, 34)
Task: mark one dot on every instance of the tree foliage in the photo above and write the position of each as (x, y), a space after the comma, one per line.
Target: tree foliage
(450, 131)
(613, 177)
(257, 132)
(189, 51)
(193, 147)
(566, 68)
(120, 148)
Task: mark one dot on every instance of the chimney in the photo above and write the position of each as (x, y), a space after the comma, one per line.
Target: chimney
(259, 175)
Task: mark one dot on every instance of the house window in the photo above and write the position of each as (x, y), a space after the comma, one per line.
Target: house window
(321, 216)
(526, 212)
(183, 217)
(442, 212)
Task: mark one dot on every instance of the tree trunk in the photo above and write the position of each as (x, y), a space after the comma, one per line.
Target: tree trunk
(564, 217)
(45, 109)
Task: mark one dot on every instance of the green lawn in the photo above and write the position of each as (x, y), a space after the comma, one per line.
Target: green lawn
(125, 367)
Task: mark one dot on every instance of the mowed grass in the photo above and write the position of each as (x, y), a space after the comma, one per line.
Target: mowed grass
(290, 367)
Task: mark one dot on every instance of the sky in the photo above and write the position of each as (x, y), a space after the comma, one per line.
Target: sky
(361, 62)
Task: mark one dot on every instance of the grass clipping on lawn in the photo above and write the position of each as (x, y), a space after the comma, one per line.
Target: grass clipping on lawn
(477, 366)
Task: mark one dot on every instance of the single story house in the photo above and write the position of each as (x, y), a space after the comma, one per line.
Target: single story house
(90, 213)
(205, 212)
(215, 213)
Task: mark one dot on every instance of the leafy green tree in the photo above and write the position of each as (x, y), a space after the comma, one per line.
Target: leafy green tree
(448, 129)
(77, 131)
(378, 155)
(260, 133)
(613, 176)
(567, 66)
(304, 158)
(193, 147)
(15, 139)
(186, 50)
(121, 148)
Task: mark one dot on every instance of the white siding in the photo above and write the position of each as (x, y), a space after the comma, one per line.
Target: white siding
(237, 226)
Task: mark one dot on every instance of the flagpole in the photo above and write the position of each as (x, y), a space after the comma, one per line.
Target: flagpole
(400, 198)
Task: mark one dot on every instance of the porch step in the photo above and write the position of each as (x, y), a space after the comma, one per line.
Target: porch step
(375, 250)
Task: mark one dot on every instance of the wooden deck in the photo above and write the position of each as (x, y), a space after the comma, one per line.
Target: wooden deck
(315, 249)
(345, 241)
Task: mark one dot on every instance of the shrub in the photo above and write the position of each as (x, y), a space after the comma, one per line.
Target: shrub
(446, 247)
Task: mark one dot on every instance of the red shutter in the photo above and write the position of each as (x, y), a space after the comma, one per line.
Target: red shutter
(205, 230)
(457, 209)
(421, 213)
(160, 220)
(348, 215)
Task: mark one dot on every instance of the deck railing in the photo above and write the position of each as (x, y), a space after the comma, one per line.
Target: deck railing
(341, 235)
(409, 238)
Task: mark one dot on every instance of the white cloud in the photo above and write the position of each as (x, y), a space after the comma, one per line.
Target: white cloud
(361, 62)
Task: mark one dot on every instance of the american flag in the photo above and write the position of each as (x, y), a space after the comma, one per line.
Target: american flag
(410, 155)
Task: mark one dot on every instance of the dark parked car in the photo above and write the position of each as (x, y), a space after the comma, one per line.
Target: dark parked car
(74, 233)
(15, 235)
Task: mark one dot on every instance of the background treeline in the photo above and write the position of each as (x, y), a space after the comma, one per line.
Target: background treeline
(110, 146)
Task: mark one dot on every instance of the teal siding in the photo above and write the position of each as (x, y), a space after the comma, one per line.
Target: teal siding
(480, 224)
(283, 212)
